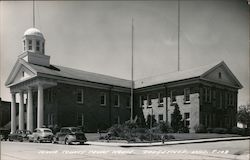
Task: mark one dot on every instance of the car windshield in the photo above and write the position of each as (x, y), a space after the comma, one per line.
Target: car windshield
(46, 130)
(76, 130)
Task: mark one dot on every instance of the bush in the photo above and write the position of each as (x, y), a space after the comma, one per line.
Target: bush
(209, 130)
(237, 130)
(200, 128)
(139, 130)
(184, 129)
(220, 130)
(169, 136)
(165, 127)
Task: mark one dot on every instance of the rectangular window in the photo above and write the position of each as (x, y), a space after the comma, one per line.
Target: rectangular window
(187, 119)
(24, 47)
(220, 99)
(43, 48)
(80, 119)
(160, 98)
(79, 96)
(160, 117)
(140, 101)
(128, 102)
(214, 94)
(103, 99)
(233, 99)
(49, 122)
(117, 100)
(149, 101)
(37, 45)
(173, 96)
(30, 45)
(187, 95)
(50, 95)
(207, 94)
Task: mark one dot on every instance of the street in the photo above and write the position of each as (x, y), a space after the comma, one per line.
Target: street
(46, 151)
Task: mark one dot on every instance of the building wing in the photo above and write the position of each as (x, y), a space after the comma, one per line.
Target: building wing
(206, 72)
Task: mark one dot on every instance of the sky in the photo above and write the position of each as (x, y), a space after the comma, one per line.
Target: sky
(95, 36)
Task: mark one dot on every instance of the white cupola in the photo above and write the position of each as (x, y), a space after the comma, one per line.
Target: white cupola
(33, 41)
(34, 48)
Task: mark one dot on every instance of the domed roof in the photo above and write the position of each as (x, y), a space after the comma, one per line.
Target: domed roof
(33, 31)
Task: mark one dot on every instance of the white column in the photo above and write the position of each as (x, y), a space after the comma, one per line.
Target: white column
(40, 106)
(30, 111)
(13, 112)
(21, 112)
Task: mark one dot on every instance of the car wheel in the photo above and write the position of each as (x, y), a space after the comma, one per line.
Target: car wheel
(38, 140)
(66, 141)
(21, 140)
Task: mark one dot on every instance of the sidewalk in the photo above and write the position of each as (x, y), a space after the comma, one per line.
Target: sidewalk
(166, 143)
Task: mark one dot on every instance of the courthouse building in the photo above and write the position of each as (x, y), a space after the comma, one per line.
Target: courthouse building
(62, 96)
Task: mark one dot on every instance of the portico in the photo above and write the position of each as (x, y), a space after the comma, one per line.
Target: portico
(38, 85)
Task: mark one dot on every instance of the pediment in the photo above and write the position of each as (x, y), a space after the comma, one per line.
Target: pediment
(20, 72)
(223, 75)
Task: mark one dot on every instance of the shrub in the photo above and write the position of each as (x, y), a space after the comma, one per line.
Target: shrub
(209, 130)
(169, 136)
(220, 130)
(165, 127)
(237, 130)
(200, 128)
(139, 130)
(184, 129)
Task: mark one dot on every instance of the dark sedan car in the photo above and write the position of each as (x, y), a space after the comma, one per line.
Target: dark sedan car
(19, 135)
(70, 135)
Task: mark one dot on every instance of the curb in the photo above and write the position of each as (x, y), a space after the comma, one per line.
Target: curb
(166, 143)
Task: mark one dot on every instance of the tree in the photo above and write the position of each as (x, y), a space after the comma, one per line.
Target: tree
(243, 115)
(176, 121)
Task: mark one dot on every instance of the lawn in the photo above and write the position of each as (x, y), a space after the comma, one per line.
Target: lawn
(178, 136)
(189, 136)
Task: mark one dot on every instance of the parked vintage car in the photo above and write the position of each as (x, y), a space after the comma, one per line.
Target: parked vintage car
(41, 135)
(70, 135)
(4, 134)
(19, 135)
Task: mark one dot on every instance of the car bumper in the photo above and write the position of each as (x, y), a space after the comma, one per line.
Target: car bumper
(77, 141)
(46, 139)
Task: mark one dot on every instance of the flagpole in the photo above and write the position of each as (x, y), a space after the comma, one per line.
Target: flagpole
(132, 70)
(34, 22)
(178, 35)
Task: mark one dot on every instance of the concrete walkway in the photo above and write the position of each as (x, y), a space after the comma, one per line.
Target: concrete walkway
(166, 143)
